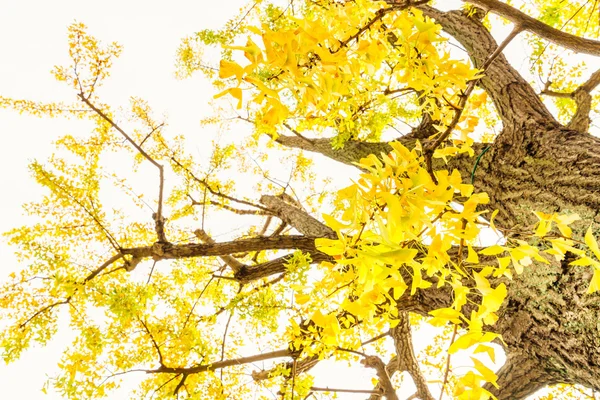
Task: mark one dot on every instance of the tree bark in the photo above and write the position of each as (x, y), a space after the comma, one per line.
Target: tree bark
(549, 324)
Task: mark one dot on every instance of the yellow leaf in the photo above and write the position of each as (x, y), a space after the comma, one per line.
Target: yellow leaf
(489, 350)
(494, 213)
(444, 315)
(228, 69)
(487, 373)
(302, 298)
(472, 257)
(492, 250)
(591, 242)
(235, 92)
(330, 246)
(595, 283)
(582, 262)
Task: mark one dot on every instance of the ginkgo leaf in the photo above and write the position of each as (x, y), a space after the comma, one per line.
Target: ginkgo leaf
(235, 92)
(489, 350)
(595, 282)
(443, 316)
(487, 373)
(472, 257)
(228, 69)
(591, 242)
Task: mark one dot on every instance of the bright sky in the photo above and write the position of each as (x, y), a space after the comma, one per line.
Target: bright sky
(34, 40)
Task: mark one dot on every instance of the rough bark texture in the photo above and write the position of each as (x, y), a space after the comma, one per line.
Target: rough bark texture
(550, 325)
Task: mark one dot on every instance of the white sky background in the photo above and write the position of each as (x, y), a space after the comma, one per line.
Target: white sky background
(33, 40)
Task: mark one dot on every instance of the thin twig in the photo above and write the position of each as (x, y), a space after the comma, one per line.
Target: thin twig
(159, 219)
(447, 371)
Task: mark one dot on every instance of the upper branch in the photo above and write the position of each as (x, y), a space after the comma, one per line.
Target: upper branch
(515, 100)
(583, 98)
(563, 39)
(158, 217)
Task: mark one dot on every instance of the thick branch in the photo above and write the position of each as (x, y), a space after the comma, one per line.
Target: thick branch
(391, 368)
(301, 366)
(222, 364)
(166, 251)
(519, 377)
(277, 266)
(229, 260)
(299, 219)
(407, 361)
(583, 99)
(389, 392)
(515, 100)
(563, 39)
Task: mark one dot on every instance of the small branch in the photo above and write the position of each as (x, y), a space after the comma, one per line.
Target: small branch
(150, 134)
(375, 338)
(225, 339)
(378, 16)
(211, 190)
(238, 298)
(89, 212)
(583, 99)
(301, 366)
(43, 310)
(565, 95)
(229, 208)
(101, 268)
(158, 218)
(447, 369)
(180, 384)
(156, 347)
(276, 266)
(295, 132)
(395, 6)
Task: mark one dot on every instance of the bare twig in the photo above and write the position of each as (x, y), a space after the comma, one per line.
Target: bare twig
(447, 369)
(158, 218)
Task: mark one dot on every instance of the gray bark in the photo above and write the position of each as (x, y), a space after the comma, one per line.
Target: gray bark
(549, 323)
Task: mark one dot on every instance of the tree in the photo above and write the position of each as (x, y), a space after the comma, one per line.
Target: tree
(398, 245)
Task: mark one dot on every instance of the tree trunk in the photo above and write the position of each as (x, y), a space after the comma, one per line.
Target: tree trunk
(551, 327)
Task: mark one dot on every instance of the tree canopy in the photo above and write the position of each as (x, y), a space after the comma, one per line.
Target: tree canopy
(188, 271)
